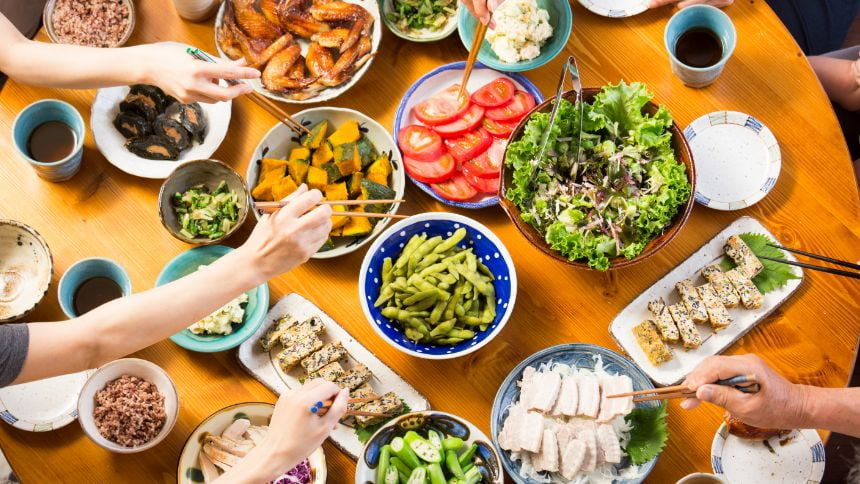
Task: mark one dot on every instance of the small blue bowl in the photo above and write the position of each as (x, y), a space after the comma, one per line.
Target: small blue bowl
(579, 355)
(258, 302)
(560, 17)
(41, 112)
(86, 269)
(483, 242)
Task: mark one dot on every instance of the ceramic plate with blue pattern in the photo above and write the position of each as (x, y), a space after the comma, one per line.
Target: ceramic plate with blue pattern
(615, 8)
(479, 238)
(43, 405)
(437, 81)
(737, 159)
(796, 457)
(579, 355)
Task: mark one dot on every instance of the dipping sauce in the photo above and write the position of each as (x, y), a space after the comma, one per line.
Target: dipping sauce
(699, 47)
(94, 292)
(51, 141)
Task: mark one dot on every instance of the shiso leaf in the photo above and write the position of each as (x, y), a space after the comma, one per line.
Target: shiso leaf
(648, 435)
(774, 275)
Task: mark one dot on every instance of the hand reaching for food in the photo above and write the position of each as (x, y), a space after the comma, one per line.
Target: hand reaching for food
(687, 3)
(482, 9)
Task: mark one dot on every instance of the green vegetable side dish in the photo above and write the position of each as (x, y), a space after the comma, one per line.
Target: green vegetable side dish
(624, 190)
(438, 292)
(411, 15)
(433, 457)
(205, 214)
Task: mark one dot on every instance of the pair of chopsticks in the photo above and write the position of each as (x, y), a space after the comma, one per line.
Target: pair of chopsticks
(267, 105)
(829, 270)
(477, 40)
(270, 207)
(743, 383)
(321, 408)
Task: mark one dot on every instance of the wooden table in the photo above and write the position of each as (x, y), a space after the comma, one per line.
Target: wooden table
(105, 212)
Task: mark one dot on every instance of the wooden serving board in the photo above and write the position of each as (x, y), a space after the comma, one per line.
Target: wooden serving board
(263, 366)
(683, 362)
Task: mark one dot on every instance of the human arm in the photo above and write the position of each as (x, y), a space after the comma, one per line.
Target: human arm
(78, 67)
(839, 77)
(687, 3)
(278, 243)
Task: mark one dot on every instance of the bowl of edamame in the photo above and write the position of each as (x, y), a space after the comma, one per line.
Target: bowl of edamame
(437, 285)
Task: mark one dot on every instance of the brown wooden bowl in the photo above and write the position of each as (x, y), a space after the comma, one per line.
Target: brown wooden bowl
(682, 152)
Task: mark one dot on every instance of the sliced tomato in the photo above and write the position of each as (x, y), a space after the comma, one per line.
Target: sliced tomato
(442, 108)
(500, 129)
(495, 93)
(420, 143)
(435, 171)
(521, 104)
(469, 145)
(489, 163)
(482, 184)
(462, 125)
(455, 188)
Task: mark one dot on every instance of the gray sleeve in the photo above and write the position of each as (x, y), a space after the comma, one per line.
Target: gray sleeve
(14, 340)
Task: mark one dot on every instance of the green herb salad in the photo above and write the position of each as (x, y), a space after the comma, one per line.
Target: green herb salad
(624, 189)
(412, 15)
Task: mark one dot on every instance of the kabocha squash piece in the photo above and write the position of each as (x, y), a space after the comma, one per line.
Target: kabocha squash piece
(355, 184)
(263, 192)
(322, 155)
(371, 190)
(300, 154)
(336, 191)
(271, 172)
(317, 178)
(338, 221)
(269, 164)
(378, 178)
(345, 158)
(366, 151)
(379, 171)
(348, 132)
(299, 170)
(314, 140)
(284, 188)
(329, 245)
(357, 226)
(332, 172)
(336, 232)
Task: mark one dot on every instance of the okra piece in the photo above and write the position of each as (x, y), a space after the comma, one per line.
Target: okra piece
(404, 453)
(418, 476)
(434, 438)
(392, 475)
(453, 464)
(436, 474)
(422, 448)
(451, 241)
(382, 465)
(403, 470)
(452, 443)
(473, 476)
(466, 457)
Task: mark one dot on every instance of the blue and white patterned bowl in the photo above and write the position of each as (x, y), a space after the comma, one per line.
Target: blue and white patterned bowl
(437, 81)
(580, 355)
(485, 244)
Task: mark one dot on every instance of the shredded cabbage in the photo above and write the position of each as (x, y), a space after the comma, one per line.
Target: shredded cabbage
(300, 474)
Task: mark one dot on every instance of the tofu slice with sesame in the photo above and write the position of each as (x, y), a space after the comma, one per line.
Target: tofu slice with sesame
(389, 404)
(327, 354)
(751, 297)
(649, 340)
(686, 327)
(300, 347)
(363, 391)
(691, 301)
(354, 378)
(718, 280)
(312, 325)
(273, 335)
(717, 314)
(663, 320)
(330, 372)
(743, 256)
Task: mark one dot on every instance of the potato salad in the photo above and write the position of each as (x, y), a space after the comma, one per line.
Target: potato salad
(520, 31)
(220, 322)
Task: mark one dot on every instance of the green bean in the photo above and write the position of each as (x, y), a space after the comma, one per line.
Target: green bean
(443, 328)
(451, 242)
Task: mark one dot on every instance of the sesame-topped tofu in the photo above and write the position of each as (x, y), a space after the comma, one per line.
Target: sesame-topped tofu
(691, 301)
(355, 377)
(714, 275)
(751, 297)
(653, 347)
(743, 256)
(327, 354)
(686, 327)
(717, 313)
(273, 335)
(663, 320)
(330, 372)
(301, 346)
(312, 325)
(363, 391)
(389, 404)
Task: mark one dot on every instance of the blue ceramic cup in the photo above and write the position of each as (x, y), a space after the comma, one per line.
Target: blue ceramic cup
(700, 16)
(84, 270)
(41, 112)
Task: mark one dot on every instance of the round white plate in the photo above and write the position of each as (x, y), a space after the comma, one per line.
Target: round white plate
(615, 8)
(43, 405)
(737, 159)
(111, 143)
(797, 457)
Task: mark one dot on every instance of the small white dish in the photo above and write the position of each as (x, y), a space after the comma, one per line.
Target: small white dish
(43, 405)
(796, 457)
(737, 159)
(615, 8)
(142, 369)
(111, 143)
(26, 269)
(419, 35)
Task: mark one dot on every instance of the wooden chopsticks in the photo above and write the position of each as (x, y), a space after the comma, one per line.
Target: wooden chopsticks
(829, 270)
(269, 207)
(321, 408)
(477, 40)
(743, 383)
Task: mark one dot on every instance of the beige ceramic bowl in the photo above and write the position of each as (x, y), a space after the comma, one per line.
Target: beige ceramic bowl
(26, 267)
(48, 21)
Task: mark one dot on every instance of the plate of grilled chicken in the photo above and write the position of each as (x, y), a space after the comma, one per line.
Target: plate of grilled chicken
(701, 307)
(307, 50)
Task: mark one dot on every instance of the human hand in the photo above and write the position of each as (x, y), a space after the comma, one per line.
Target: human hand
(188, 79)
(687, 3)
(779, 404)
(482, 9)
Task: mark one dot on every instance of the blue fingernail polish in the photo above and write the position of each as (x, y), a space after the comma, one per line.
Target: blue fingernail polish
(313, 410)
(319, 404)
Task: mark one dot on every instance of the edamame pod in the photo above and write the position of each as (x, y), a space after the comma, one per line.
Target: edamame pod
(451, 242)
(443, 328)
(387, 270)
(470, 320)
(422, 305)
(450, 341)
(410, 247)
(382, 465)
(404, 453)
(413, 334)
(436, 313)
(384, 295)
(461, 333)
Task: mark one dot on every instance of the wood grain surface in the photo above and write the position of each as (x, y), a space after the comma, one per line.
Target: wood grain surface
(814, 206)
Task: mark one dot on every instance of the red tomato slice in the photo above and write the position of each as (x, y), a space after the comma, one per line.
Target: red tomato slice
(456, 188)
(462, 125)
(469, 145)
(435, 171)
(496, 93)
(500, 129)
(489, 163)
(420, 143)
(515, 109)
(442, 108)
(483, 185)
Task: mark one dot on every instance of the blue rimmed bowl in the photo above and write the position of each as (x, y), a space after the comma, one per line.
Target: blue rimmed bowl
(483, 242)
(561, 19)
(580, 355)
(255, 311)
(437, 81)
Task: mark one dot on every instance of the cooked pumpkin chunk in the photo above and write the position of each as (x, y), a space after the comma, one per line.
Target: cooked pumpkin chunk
(332, 172)
(317, 178)
(355, 184)
(338, 221)
(322, 155)
(300, 154)
(318, 132)
(283, 188)
(370, 190)
(348, 132)
(270, 164)
(366, 151)
(336, 191)
(357, 226)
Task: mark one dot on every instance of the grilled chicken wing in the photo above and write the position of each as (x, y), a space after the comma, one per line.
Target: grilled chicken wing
(275, 75)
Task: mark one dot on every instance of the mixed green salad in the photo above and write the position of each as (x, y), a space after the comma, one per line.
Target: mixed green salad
(624, 189)
(410, 15)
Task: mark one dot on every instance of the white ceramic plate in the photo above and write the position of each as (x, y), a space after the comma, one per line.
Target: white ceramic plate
(797, 457)
(737, 159)
(615, 8)
(263, 366)
(43, 405)
(188, 470)
(26, 268)
(683, 362)
(331, 92)
(111, 143)
(422, 35)
(278, 142)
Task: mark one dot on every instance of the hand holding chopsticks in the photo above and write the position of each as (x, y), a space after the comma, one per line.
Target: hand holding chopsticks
(743, 383)
(269, 207)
